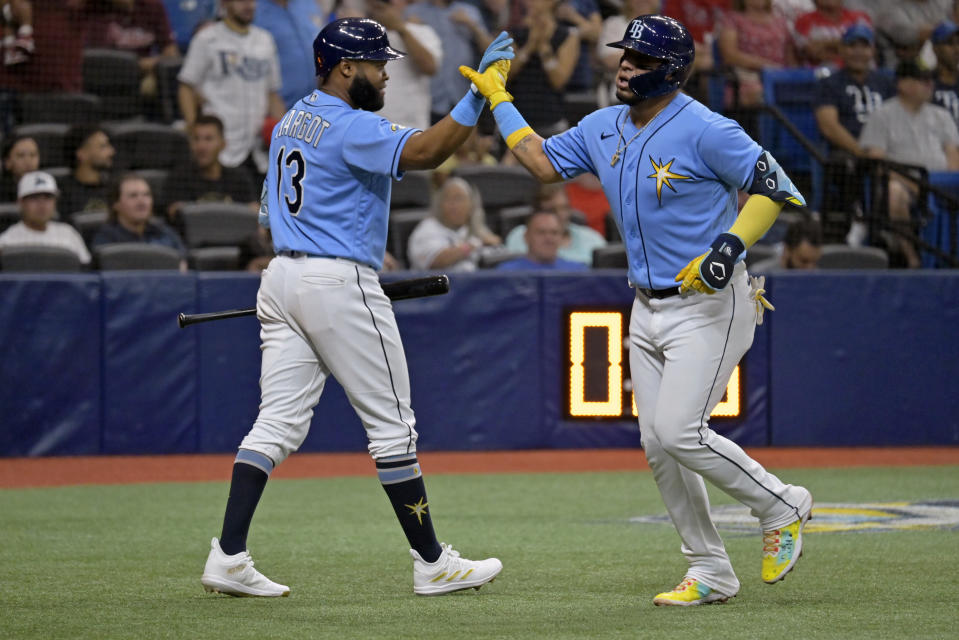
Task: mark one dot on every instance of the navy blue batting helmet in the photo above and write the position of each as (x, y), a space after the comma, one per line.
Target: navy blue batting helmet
(665, 39)
(351, 39)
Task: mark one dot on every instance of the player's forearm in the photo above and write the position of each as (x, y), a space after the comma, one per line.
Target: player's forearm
(428, 149)
(529, 152)
(757, 216)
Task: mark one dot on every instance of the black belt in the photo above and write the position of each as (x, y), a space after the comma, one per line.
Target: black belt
(302, 254)
(659, 294)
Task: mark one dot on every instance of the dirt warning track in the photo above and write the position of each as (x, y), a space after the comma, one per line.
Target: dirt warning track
(64, 471)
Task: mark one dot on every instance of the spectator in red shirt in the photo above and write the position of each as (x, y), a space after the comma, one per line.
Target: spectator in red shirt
(752, 38)
(818, 32)
(700, 18)
(138, 26)
(56, 64)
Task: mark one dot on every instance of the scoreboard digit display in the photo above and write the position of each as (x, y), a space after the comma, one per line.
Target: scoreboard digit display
(596, 378)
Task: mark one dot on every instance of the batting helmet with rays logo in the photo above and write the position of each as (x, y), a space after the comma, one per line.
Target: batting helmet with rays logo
(351, 39)
(665, 39)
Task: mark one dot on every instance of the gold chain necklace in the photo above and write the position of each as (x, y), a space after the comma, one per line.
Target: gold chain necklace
(619, 152)
(615, 158)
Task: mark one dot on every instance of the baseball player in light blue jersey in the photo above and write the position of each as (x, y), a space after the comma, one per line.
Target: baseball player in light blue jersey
(671, 169)
(321, 306)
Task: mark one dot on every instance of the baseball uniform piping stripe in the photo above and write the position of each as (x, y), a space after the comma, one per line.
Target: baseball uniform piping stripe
(255, 459)
(642, 150)
(389, 369)
(396, 151)
(702, 417)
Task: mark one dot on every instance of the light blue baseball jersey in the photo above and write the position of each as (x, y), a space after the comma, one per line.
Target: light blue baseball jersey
(330, 178)
(672, 190)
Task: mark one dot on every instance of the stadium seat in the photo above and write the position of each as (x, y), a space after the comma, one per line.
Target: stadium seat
(135, 255)
(148, 145)
(792, 91)
(215, 258)
(500, 186)
(414, 190)
(88, 223)
(9, 215)
(842, 256)
(492, 260)
(217, 224)
(401, 225)
(612, 256)
(511, 217)
(941, 230)
(49, 137)
(114, 76)
(64, 108)
(38, 259)
(167, 70)
(759, 252)
(612, 231)
(156, 179)
(579, 104)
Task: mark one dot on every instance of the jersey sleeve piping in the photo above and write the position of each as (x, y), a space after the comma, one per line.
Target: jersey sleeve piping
(397, 152)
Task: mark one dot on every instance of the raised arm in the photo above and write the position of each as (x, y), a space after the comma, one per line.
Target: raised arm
(525, 143)
(428, 149)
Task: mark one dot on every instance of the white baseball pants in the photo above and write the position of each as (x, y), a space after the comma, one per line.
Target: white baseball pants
(682, 352)
(323, 316)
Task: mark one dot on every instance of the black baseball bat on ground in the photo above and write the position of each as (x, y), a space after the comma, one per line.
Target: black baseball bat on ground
(399, 290)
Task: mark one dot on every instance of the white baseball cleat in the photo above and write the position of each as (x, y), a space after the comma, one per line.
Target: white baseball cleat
(235, 576)
(450, 572)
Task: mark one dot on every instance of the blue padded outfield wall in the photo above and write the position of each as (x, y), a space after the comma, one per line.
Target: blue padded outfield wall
(95, 363)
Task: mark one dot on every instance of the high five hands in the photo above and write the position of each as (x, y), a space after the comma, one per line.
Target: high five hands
(489, 78)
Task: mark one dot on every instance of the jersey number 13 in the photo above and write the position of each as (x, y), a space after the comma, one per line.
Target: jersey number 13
(293, 176)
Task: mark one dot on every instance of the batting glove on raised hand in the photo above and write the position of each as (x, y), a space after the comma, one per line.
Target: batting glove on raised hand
(712, 271)
(499, 49)
(491, 82)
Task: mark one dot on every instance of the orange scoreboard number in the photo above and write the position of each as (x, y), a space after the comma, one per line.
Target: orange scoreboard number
(597, 379)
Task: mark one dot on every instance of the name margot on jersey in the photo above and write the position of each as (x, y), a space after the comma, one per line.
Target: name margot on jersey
(302, 125)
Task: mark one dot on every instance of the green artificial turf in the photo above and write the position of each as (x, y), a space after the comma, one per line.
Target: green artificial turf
(125, 562)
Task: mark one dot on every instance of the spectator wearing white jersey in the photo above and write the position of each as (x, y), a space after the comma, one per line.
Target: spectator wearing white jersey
(232, 71)
(37, 199)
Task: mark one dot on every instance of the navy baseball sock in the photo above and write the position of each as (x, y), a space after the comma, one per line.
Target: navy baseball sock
(251, 470)
(403, 482)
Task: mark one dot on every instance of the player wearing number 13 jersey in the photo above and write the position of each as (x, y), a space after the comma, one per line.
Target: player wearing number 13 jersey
(321, 306)
(671, 169)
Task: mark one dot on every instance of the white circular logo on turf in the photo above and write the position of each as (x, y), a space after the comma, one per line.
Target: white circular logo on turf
(843, 517)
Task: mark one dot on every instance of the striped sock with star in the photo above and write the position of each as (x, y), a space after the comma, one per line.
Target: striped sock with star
(403, 482)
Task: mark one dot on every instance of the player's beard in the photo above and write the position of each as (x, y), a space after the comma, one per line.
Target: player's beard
(364, 95)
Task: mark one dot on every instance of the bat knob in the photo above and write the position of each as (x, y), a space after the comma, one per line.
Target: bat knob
(180, 320)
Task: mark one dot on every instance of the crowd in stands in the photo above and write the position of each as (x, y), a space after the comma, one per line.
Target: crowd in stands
(165, 103)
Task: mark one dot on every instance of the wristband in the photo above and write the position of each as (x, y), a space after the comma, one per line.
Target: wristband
(511, 124)
(717, 267)
(467, 110)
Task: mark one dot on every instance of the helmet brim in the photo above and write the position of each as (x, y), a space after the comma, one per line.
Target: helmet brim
(386, 53)
(642, 47)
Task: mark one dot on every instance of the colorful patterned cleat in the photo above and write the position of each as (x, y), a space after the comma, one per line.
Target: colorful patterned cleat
(688, 593)
(782, 548)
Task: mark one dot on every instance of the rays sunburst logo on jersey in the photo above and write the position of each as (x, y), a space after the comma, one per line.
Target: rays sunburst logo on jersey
(663, 174)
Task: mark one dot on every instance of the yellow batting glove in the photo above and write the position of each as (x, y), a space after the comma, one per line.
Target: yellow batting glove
(492, 82)
(756, 284)
(689, 277)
